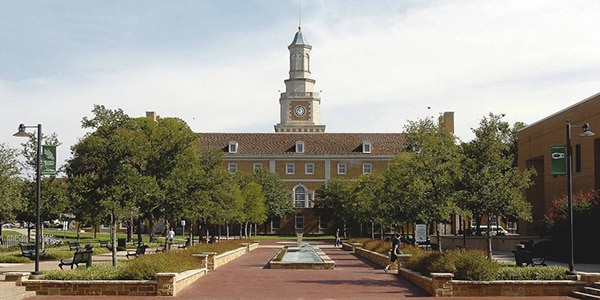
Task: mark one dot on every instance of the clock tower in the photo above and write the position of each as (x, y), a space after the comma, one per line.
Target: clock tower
(300, 105)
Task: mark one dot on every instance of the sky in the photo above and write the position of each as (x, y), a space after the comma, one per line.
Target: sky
(220, 65)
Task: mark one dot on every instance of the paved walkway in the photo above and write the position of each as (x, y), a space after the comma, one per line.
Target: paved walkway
(248, 278)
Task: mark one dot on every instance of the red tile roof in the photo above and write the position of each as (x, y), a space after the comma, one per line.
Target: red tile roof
(268, 144)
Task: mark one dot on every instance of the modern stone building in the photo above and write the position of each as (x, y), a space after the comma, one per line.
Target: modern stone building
(535, 143)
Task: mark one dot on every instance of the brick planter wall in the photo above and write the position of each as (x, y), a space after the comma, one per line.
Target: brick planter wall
(442, 285)
(166, 284)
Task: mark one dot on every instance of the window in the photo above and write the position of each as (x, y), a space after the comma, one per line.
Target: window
(366, 147)
(275, 224)
(299, 147)
(256, 166)
(299, 197)
(233, 147)
(289, 169)
(323, 222)
(232, 167)
(341, 168)
(367, 168)
(309, 168)
(311, 203)
(299, 222)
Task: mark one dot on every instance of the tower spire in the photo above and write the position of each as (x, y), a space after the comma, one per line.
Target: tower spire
(299, 16)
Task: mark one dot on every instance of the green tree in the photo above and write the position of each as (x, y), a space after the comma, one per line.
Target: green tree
(277, 195)
(429, 173)
(105, 167)
(492, 183)
(254, 209)
(10, 184)
(335, 201)
(370, 204)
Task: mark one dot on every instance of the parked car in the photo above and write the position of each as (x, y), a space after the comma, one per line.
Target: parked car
(8, 225)
(494, 230)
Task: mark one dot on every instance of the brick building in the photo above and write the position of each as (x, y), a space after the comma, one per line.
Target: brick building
(534, 145)
(300, 152)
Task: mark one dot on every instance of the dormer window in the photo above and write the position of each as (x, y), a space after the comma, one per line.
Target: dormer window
(299, 147)
(233, 147)
(366, 146)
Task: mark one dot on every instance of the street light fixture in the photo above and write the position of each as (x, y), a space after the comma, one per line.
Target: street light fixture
(586, 132)
(38, 163)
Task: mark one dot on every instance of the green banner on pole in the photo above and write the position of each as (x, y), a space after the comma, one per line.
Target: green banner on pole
(48, 166)
(558, 157)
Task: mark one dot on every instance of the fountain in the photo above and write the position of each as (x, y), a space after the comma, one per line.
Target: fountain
(304, 256)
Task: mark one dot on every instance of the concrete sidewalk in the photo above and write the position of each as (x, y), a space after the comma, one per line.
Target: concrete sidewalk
(249, 278)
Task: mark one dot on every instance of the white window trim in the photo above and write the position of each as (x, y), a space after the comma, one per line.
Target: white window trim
(233, 147)
(232, 167)
(257, 166)
(299, 147)
(339, 168)
(287, 168)
(306, 171)
(366, 147)
(370, 166)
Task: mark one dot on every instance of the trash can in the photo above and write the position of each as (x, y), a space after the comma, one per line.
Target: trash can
(121, 244)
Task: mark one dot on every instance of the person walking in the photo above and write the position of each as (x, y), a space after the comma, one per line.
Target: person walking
(396, 249)
(338, 241)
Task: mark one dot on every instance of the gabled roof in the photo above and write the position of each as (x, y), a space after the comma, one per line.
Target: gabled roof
(270, 144)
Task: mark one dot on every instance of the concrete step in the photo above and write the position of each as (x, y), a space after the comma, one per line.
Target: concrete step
(9, 291)
(583, 295)
(592, 290)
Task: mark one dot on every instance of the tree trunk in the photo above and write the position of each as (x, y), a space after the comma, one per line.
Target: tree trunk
(151, 226)
(489, 240)
(139, 230)
(113, 238)
(438, 235)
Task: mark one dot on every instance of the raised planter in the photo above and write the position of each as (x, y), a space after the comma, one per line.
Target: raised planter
(166, 284)
(442, 284)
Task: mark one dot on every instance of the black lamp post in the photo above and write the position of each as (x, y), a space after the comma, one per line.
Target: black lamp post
(38, 162)
(586, 132)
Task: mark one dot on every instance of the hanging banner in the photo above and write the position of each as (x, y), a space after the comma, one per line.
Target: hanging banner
(558, 157)
(48, 166)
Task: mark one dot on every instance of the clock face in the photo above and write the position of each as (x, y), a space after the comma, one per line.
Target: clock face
(299, 110)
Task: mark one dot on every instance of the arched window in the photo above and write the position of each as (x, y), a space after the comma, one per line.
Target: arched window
(299, 197)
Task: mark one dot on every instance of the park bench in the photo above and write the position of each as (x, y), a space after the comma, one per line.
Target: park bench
(104, 244)
(140, 250)
(28, 250)
(74, 245)
(80, 257)
(183, 246)
(527, 258)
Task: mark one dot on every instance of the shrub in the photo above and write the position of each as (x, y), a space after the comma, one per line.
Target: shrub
(472, 265)
(422, 261)
(464, 264)
(531, 273)
(145, 267)
(14, 258)
(101, 271)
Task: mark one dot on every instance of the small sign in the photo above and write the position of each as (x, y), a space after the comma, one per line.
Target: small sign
(421, 233)
(558, 158)
(48, 157)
